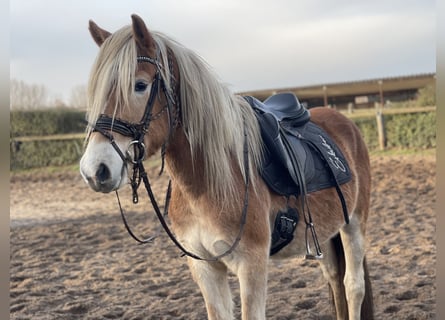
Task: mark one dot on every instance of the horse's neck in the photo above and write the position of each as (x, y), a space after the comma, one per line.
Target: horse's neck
(184, 169)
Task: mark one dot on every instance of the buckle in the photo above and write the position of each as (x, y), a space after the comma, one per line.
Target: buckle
(139, 152)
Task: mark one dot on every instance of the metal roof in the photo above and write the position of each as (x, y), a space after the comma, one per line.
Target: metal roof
(352, 88)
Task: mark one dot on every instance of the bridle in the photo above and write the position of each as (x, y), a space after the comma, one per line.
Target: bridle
(106, 125)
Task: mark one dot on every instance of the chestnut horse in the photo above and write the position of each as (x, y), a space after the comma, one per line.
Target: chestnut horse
(212, 145)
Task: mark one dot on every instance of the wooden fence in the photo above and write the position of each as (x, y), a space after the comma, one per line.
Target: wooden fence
(380, 128)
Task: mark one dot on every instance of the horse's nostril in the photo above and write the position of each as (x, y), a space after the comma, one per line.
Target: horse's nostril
(102, 173)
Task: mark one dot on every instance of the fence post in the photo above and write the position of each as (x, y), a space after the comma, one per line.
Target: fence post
(350, 107)
(381, 130)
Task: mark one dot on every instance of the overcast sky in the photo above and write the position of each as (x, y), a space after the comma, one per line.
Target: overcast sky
(252, 44)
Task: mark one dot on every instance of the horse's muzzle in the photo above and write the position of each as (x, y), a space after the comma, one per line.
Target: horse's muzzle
(102, 180)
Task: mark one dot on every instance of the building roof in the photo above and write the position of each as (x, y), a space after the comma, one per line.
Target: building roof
(352, 88)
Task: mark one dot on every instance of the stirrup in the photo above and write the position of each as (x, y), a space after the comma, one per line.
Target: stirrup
(309, 256)
(318, 254)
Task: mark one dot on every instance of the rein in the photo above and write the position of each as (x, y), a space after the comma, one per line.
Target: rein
(143, 175)
(106, 124)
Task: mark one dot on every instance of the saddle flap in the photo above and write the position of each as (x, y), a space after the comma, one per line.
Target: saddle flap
(277, 168)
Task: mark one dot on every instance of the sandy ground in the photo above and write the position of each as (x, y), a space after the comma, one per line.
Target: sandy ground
(71, 257)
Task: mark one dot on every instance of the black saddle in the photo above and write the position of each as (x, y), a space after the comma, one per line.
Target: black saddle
(299, 156)
(284, 107)
(295, 146)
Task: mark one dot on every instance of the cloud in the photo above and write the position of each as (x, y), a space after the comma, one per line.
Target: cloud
(251, 44)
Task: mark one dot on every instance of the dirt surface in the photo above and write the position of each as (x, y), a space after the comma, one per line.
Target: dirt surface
(71, 257)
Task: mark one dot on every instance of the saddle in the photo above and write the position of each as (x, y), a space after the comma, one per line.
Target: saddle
(299, 158)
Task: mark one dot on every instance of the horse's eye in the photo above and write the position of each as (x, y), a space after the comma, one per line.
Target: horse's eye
(140, 86)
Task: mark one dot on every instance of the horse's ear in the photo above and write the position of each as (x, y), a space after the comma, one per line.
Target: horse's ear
(143, 38)
(99, 35)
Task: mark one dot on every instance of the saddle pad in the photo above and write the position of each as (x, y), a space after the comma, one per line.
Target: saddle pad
(322, 162)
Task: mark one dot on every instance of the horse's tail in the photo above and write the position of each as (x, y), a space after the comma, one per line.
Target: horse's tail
(367, 310)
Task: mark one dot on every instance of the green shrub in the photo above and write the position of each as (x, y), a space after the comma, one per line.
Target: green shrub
(368, 128)
(42, 153)
(411, 130)
(46, 122)
(427, 96)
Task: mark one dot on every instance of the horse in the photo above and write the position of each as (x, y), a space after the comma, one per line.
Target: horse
(148, 95)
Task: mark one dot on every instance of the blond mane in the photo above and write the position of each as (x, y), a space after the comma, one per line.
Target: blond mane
(213, 118)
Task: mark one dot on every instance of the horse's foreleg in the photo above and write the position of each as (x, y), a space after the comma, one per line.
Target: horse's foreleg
(211, 278)
(353, 244)
(252, 276)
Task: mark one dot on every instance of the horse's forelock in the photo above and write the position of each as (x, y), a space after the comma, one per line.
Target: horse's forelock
(112, 76)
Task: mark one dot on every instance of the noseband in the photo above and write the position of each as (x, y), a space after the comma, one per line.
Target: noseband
(106, 125)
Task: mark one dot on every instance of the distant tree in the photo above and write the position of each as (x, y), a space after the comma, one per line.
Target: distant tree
(427, 96)
(79, 97)
(58, 103)
(27, 96)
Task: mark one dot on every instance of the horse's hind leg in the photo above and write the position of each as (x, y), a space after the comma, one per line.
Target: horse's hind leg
(333, 267)
(211, 278)
(353, 241)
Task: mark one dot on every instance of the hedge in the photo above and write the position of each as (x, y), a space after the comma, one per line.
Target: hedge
(46, 122)
(368, 128)
(411, 130)
(403, 131)
(42, 153)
